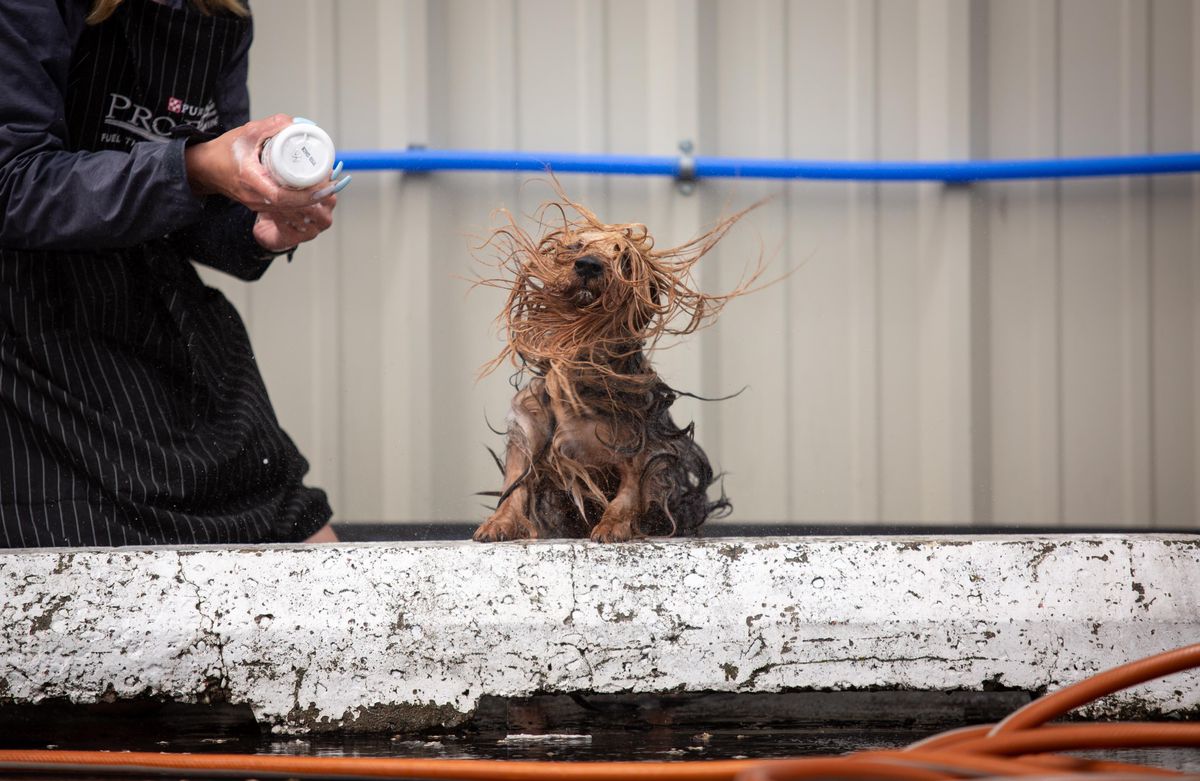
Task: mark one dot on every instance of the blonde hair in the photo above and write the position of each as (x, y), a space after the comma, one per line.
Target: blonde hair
(102, 9)
(650, 293)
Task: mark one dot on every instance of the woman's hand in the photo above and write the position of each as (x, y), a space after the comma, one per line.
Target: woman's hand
(281, 230)
(324, 534)
(229, 165)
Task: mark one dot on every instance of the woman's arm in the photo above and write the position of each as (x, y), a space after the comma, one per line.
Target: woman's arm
(52, 198)
(229, 238)
(223, 237)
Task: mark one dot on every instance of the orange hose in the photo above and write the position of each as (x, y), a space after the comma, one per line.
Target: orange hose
(367, 767)
(1081, 765)
(1079, 737)
(1054, 705)
(903, 766)
(838, 768)
(954, 762)
(1036, 764)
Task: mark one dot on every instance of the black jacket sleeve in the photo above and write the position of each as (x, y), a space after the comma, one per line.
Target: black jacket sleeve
(223, 238)
(53, 198)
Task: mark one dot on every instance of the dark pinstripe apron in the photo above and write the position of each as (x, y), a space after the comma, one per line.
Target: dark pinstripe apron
(131, 407)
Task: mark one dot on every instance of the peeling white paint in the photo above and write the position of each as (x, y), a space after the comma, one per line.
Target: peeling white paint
(388, 636)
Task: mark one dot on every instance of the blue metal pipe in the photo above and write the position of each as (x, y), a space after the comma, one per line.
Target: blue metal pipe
(478, 160)
(767, 168)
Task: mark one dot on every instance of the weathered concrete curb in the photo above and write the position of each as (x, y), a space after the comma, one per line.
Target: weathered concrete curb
(403, 636)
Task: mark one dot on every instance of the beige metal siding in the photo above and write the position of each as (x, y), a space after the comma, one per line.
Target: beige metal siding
(1009, 353)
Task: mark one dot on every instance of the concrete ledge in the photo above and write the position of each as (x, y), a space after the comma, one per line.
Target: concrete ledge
(410, 636)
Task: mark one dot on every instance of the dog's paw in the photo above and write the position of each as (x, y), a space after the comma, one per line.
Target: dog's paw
(612, 532)
(499, 529)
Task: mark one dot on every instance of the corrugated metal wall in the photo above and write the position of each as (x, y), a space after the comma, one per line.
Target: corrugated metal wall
(1018, 353)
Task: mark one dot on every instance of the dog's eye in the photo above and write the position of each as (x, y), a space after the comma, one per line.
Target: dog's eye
(575, 246)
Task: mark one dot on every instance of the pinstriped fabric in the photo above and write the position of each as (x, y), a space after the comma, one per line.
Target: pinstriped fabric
(131, 407)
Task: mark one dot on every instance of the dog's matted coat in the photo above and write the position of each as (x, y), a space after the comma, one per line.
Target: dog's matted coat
(591, 447)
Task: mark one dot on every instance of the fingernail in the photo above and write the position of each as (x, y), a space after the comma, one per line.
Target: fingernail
(332, 189)
(302, 121)
(308, 221)
(337, 169)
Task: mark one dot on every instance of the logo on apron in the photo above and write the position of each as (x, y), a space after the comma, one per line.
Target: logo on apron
(126, 118)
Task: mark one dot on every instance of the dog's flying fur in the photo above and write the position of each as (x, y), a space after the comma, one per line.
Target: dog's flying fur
(591, 447)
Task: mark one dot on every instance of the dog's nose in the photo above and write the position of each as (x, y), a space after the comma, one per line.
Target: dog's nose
(588, 266)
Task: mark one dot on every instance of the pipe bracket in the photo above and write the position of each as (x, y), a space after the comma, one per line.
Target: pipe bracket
(685, 177)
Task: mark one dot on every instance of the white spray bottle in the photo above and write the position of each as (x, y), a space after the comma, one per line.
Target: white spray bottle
(300, 155)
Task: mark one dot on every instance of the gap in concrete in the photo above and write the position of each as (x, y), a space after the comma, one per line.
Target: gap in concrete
(441, 531)
(922, 710)
(151, 724)
(143, 724)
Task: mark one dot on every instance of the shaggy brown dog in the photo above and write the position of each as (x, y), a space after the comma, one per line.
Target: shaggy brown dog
(591, 447)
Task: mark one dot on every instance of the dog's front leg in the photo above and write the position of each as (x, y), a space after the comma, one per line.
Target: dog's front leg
(510, 520)
(619, 521)
(528, 431)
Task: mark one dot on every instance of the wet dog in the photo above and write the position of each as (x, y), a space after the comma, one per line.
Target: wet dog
(591, 448)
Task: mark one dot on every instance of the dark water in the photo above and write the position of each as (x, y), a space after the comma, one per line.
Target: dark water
(548, 728)
(680, 728)
(664, 744)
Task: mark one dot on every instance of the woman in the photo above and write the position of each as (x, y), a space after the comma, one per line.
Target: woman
(131, 408)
